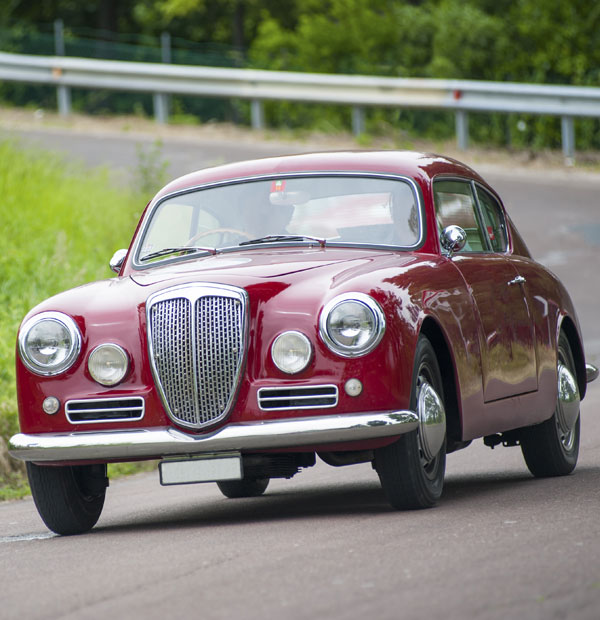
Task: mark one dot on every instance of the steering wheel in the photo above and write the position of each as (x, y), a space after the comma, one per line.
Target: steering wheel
(205, 233)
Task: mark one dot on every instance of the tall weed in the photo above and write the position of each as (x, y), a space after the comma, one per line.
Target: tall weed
(59, 225)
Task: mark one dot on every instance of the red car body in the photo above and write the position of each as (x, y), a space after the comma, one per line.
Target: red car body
(494, 320)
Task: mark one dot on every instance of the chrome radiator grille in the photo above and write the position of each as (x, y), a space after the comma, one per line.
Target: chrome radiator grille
(196, 340)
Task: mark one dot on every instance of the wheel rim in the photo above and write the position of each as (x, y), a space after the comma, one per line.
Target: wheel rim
(567, 404)
(432, 423)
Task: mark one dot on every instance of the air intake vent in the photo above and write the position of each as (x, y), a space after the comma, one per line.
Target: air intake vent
(105, 410)
(298, 397)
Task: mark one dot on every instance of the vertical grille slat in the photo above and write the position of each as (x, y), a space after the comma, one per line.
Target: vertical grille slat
(196, 339)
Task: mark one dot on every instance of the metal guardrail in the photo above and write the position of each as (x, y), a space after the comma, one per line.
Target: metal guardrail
(358, 91)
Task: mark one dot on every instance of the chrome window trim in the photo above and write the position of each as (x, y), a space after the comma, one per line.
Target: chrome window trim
(367, 300)
(138, 266)
(106, 400)
(287, 388)
(502, 213)
(71, 326)
(192, 292)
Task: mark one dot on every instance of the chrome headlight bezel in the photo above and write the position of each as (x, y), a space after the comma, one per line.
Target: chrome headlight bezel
(71, 333)
(373, 311)
(119, 356)
(304, 357)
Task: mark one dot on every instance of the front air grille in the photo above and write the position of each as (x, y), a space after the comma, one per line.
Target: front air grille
(298, 397)
(104, 410)
(196, 339)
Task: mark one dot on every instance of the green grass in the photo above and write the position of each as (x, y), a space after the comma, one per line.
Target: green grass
(60, 225)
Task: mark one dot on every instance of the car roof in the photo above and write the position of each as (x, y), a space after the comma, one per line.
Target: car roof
(420, 166)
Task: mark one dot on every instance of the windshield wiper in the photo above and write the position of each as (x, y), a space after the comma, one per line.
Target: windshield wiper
(185, 249)
(277, 238)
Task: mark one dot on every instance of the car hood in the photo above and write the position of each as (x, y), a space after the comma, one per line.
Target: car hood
(250, 265)
(309, 272)
(243, 269)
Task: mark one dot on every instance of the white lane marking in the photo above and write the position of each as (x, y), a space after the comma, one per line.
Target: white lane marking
(26, 537)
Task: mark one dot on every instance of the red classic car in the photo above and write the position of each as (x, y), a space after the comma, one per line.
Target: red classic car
(361, 307)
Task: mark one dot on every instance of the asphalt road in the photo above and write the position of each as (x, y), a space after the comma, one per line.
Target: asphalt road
(325, 544)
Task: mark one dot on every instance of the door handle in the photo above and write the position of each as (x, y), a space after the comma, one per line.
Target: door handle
(518, 280)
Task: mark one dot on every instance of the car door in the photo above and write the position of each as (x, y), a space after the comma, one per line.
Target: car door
(506, 330)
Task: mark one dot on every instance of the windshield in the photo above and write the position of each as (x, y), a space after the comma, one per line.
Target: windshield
(336, 210)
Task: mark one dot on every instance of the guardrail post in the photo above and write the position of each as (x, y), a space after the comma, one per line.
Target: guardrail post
(64, 100)
(568, 139)
(165, 47)
(161, 108)
(358, 120)
(462, 130)
(166, 57)
(257, 114)
(63, 93)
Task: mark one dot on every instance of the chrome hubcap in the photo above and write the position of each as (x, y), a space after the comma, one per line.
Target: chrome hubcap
(432, 421)
(567, 406)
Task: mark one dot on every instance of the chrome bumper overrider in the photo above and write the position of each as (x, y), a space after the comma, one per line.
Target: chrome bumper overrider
(154, 443)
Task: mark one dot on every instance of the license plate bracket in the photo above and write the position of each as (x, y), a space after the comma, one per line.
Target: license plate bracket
(205, 468)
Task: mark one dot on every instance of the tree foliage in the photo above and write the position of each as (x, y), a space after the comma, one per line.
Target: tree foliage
(540, 41)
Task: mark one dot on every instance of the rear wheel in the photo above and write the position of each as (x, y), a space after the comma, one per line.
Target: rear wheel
(248, 487)
(552, 447)
(68, 499)
(412, 470)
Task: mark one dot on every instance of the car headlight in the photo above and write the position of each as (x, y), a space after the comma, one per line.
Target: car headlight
(108, 364)
(291, 352)
(49, 343)
(352, 324)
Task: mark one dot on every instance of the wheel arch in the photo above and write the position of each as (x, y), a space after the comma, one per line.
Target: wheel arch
(568, 327)
(434, 333)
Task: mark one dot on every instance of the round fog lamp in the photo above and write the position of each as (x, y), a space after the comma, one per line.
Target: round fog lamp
(108, 364)
(291, 352)
(51, 405)
(353, 387)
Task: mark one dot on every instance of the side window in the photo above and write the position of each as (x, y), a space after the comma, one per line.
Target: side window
(455, 205)
(494, 220)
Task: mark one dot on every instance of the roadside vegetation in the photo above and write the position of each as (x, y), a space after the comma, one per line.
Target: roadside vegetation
(61, 224)
(530, 41)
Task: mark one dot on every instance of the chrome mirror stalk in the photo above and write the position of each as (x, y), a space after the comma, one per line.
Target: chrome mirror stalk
(116, 262)
(453, 239)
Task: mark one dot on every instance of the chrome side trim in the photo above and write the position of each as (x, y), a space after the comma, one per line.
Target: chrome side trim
(152, 443)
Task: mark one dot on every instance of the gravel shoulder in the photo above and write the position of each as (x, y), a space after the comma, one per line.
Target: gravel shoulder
(19, 122)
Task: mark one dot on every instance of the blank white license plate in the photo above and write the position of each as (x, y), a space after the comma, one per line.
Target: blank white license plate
(203, 469)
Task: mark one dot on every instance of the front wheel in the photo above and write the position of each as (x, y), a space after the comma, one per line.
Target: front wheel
(247, 487)
(68, 499)
(552, 447)
(412, 469)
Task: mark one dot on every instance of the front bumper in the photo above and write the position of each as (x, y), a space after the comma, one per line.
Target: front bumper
(153, 443)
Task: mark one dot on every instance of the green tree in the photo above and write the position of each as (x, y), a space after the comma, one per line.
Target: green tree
(468, 43)
(348, 36)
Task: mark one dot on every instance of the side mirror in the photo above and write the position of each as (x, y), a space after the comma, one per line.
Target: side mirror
(453, 239)
(116, 262)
